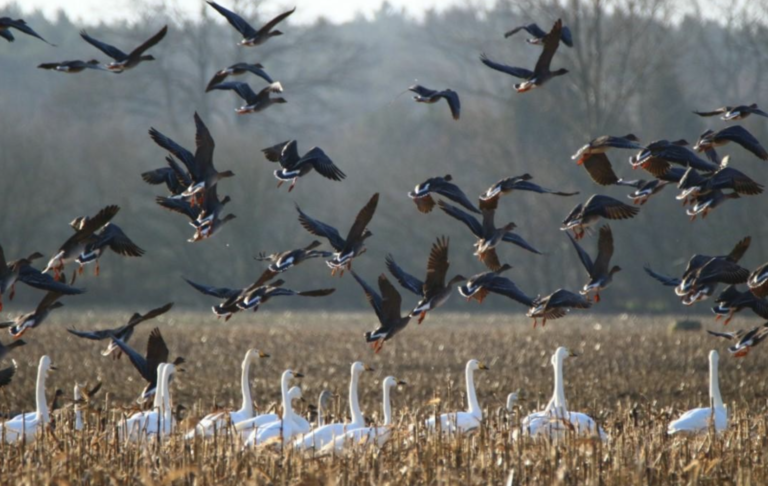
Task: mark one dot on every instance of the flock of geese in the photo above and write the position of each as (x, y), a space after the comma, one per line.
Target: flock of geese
(193, 184)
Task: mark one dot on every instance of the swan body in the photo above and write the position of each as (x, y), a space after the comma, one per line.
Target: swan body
(156, 421)
(462, 422)
(366, 436)
(209, 424)
(245, 427)
(26, 425)
(698, 420)
(283, 430)
(321, 436)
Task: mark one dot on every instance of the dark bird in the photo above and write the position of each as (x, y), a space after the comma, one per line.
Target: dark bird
(657, 157)
(433, 291)
(202, 172)
(349, 248)
(556, 305)
(85, 236)
(426, 95)
(281, 262)
(645, 189)
(251, 36)
(731, 300)
(518, 183)
(538, 35)
(7, 23)
(758, 281)
(295, 166)
(24, 322)
(422, 194)
(230, 296)
(6, 374)
(123, 333)
(236, 70)
(5, 349)
(602, 144)
(112, 237)
(21, 270)
(700, 280)
(254, 103)
(157, 353)
(479, 286)
(703, 204)
(733, 113)
(600, 270)
(488, 235)
(254, 298)
(387, 307)
(746, 340)
(736, 134)
(596, 207)
(173, 177)
(541, 73)
(693, 184)
(73, 67)
(123, 61)
(204, 218)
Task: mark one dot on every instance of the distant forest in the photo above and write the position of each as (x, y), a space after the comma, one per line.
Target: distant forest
(72, 144)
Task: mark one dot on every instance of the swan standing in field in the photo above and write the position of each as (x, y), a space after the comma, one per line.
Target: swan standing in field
(152, 421)
(461, 422)
(288, 427)
(26, 425)
(323, 402)
(556, 420)
(245, 427)
(217, 421)
(318, 438)
(698, 420)
(366, 436)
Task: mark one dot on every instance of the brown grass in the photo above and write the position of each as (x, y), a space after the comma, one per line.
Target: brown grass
(633, 377)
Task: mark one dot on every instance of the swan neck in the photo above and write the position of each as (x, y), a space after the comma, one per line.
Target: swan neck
(320, 413)
(387, 406)
(714, 385)
(42, 405)
(558, 396)
(158, 402)
(354, 405)
(165, 395)
(245, 385)
(78, 413)
(474, 407)
(287, 409)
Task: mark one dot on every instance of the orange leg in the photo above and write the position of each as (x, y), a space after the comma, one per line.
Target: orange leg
(535, 321)
(741, 353)
(21, 333)
(226, 319)
(279, 183)
(422, 316)
(379, 346)
(644, 201)
(597, 297)
(98, 268)
(333, 272)
(693, 218)
(730, 316)
(13, 292)
(718, 317)
(80, 270)
(292, 185)
(1, 302)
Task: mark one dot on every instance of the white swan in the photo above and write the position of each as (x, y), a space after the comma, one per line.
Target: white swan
(462, 422)
(26, 425)
(365, 436)
(322, 405)
(217, 421)
(78, 413)
(698, 420)
(154, 420)
(165, 422)
(556, 420)
(286, 428)
(245, 427)
(318, 438)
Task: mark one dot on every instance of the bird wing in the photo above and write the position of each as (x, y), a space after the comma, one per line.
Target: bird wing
(472, 223)
(107, 49)
(218, 292)
(272, 23)
(665, 280)
(180, 206)
(490, 259)
(252, 68)
(736, 180)
(318, 228)
(43, 281)
(437, 265)
(517, 72)
(184, 155)
(566, 298)
(6, 375)
(373, 298)
(600, 169)
(454, 103)
(610, 208)
(204, 146)
(405, 279)
(149, 43)
(322, 164)
(157, 350)
(518, 240)
(726, 335)
(391, 302)
(22, 26)
(236, 21)
(119, 242)
(604, 250)
(138, 361)
(93, 335)
(741, 136)
(275, 152)
(243, 90)
(530, 186)
(422, 91)
(506, 287)
(361, 223)
(452, 192)
(551, 42)
(740, 248)
(150, 315)
(716, 112)
(586, 260)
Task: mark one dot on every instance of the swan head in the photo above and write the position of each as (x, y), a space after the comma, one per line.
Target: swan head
(290, 374)
(474, 364)
(714, 357)
(391, 381)
(295, 394)
(512, 399)
(45, 364)
(358, 367)
(254, 353)
(562, 353)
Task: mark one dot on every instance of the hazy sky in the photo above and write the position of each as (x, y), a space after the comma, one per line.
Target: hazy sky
(92, 11)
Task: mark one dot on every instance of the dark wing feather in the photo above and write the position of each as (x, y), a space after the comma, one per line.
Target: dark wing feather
(275, 152)
(391, 302)
(586, 260)
(454, 103)
(322, 164)
(716, 112)
(437, 266)
(530, 186)
(551, 42)
(491, 259)
(93, 335)
(741, 136)
(236, 21)
(138, 361)
(119, 242)
(518, 240)
(452, 192)
(258, 72)
(566, 298)
(373, 298)
(405, 279)
(6, 375)
(218, 292)
(180, 206)
(204, 148)
(149, 43)
(600, 170)
(506, 287)
(472, 223)
(361, 222)
(610, 208)
(272, 23)
(43, 281)
(184, 155)
(740, 249)
(151, 314)
(243, 90)
(319, 228)
(665, 280)
(517, 72)
(604, 251)
(107, 49)
(157, 350)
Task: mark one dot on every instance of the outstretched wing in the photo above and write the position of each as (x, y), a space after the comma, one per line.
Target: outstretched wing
(236, 21)
(551, 43)
(362, 220)
(665, 280)
(604, 250)
(272, 23)
(43, 281)
(149, 43)
(218, 292)
(504, 286)
(373, 297)
(391, 302)
(586, 260)
(472, 223)
(517, 72)
(243, 90)
(518, 240)
(119, 242)
(107, 49)
(318, 228)
(138, 361)
(405, 279)
(454, 193)
(322, 164)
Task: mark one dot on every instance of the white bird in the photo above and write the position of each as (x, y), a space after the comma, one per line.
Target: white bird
(246, 427)
(211, 423)
(512, 399)
(699, 420)
(26, 425)
(164, 425)
(322, 405)
(470, 420)
(556, 420)
(78, 396)
(154, 420)
(366, 436)
(287, 428)
(318, 438)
